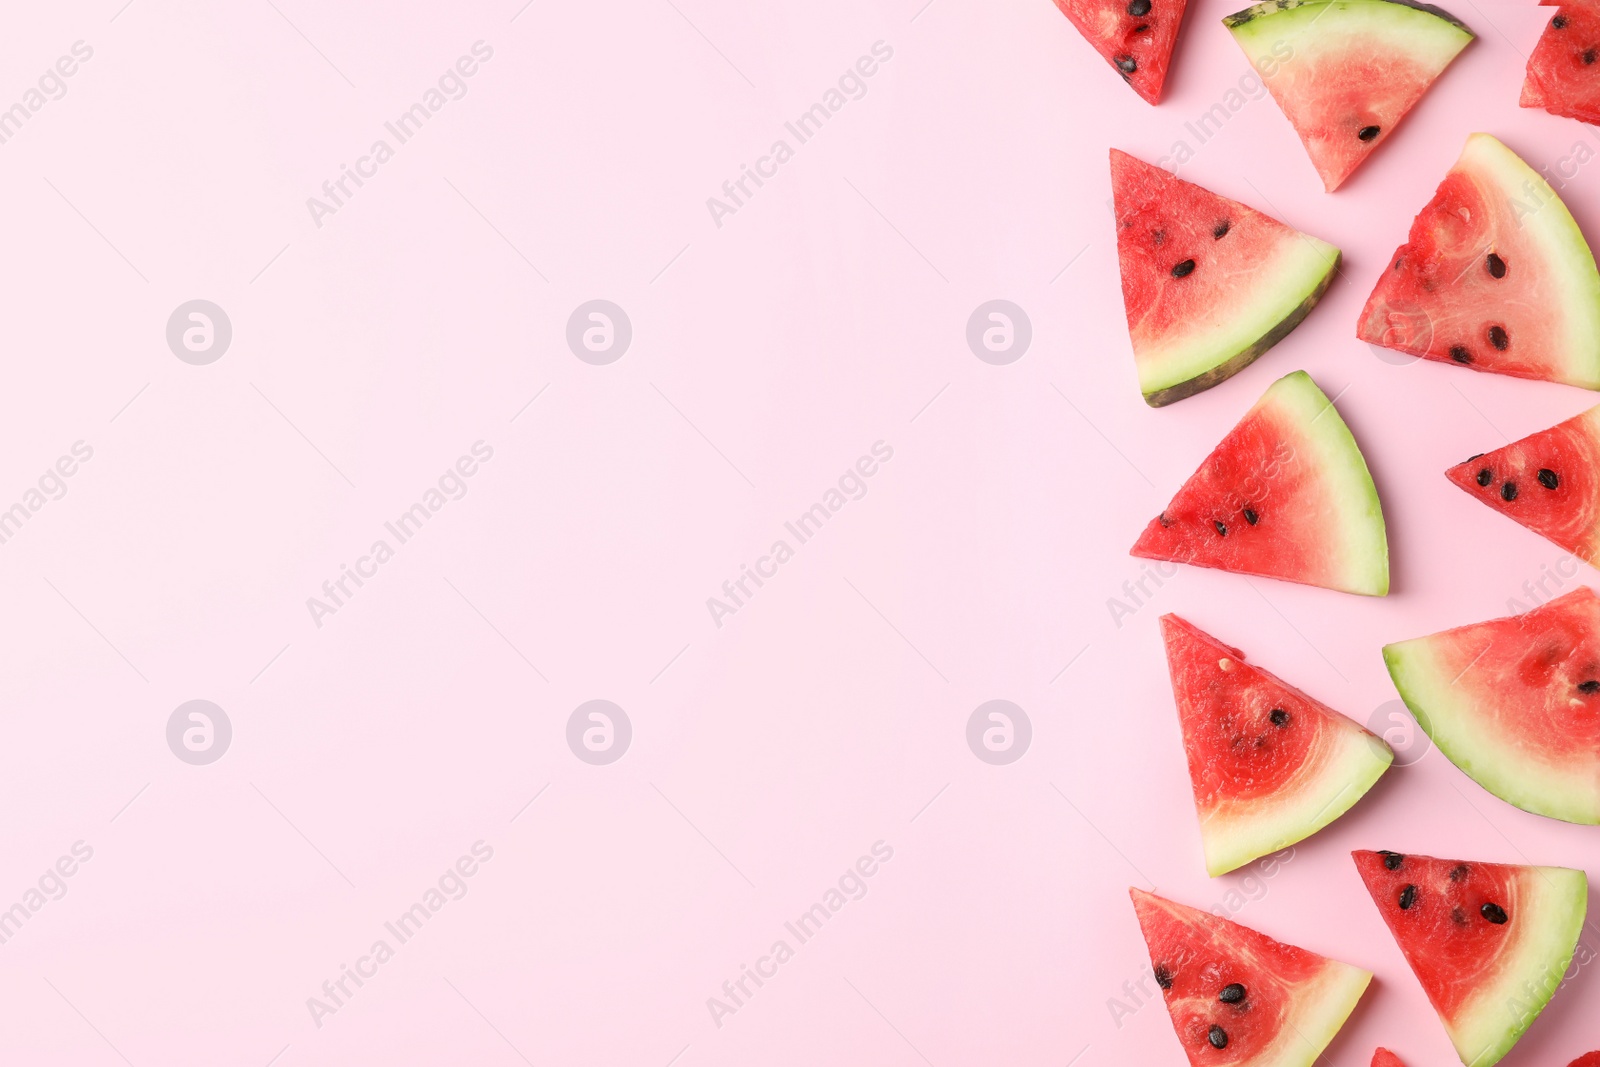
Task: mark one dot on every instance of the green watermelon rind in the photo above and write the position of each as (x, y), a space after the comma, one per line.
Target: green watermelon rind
(1326, 1009)
(1498, 1016)
(1446, 715)
(1337, 456)
(1297, 287)
(1343, 781)
(1273, 7)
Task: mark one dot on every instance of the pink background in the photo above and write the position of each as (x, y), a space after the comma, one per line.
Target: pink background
(768, 354)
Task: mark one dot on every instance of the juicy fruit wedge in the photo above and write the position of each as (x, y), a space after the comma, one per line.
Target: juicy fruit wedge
(1285, 495)
(1384, 1058)
(1238, 997)
(1345, 72)
(1515, 703)
(1489, 942)
(1563, 76)
(1495, 276)
(1270, 765)
(1548, 481)
(1208, 284)
(1135, 36)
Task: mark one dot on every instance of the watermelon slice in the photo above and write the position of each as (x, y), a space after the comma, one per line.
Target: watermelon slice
(1270, 765)
(1345, 72)
(1208, 284)
(1238, 997)
(1496, 276)
(1515, 703)
(1588, 1059)
(1489, 942)
(1285, 495)
(1135, 36)
(1548, 481)
(1563, 75)
(1384, 1058)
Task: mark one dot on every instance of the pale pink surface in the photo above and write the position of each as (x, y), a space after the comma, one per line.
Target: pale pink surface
(776, 749)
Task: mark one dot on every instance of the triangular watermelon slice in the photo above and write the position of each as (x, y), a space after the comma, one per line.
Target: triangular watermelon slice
(1345, 72)
(1285, 495)
(1515, 703)
(1384, 1058)
(1238, 997)
(1563, 72)
(1489, 942)
(1496, 276)
(1270, 765)
(1207, 283)
(1135, 36)
(1548, 481)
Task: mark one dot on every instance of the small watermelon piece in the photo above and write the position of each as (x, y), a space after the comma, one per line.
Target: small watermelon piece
(1270, 765)
(1489, 942)
(1238, 997)
(1384, 1058)
(1207, 283)
(1588, 1059)
(1345, 72)
(1515, 703)
(1135, 36)
(1548, 481)
(1495, 276)
(1563, 72)
(1287, 494)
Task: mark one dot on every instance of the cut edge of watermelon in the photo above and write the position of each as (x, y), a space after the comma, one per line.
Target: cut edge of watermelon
(1499, 1015)
(1341, 782)
(1446, 715)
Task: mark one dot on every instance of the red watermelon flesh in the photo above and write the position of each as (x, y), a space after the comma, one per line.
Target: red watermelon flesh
(1548, 481)
(1563, 72)
(1208, 284)
(1515, 703)
(1588, 1059)
(1135, 36)
(1495, 276)
(1489, 942)
(1285, 495)
(1270, 765)
(1384, 1058)
(1239, 998)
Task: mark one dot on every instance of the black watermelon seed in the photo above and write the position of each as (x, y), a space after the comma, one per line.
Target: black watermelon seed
(1139, 8)
(1494, 913)
(1508, 492)
(1393, 860)
(1559, 22)
(1251, 517)
(1143, 27)
(1591, 686)
(1460, 354)
(1221, 229)
(1590, 56)
(1369, 132)
(1163, 978)
(1408, 897)
(1548, 478)
(1485, 476)
(1459, 871)
(1163, 520)
(1218, 1037)
(1126, 64)
(1184, 269)
(1499, 338)
(1279, 717)
(1221, 529)
(1231, 994)
(1497, 266)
